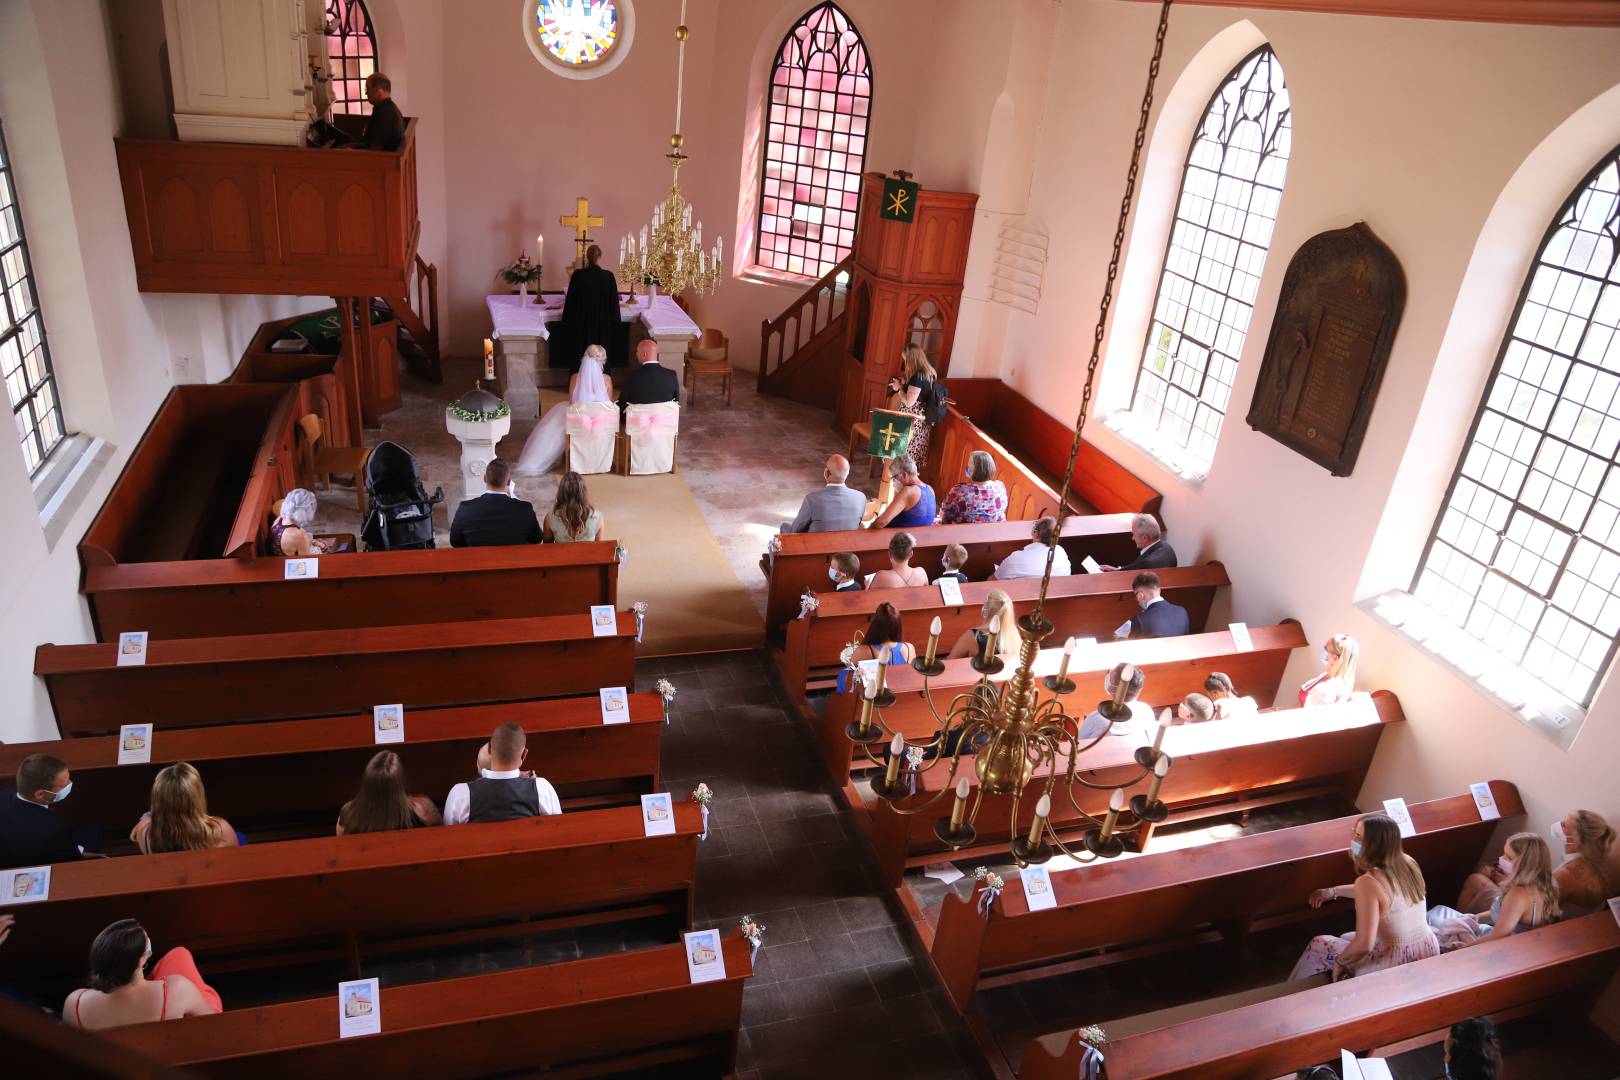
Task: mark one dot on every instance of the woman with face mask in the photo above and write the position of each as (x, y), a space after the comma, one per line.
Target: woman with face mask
(120, 993)
(1529, 898)
(1583, 841)
(1338, 677)
(1390, 903)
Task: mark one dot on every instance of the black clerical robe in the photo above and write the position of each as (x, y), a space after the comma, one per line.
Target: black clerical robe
(385, 127)
(590, 315)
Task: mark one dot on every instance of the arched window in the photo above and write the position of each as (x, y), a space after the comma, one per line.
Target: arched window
(815, 145)
(351, 54)
(1525, 553)
(1230, 190)
(25, 358)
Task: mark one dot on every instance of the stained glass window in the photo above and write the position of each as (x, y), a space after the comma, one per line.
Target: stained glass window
(25, 359)
(578, 32)
(1230, 190)
(815, 145)
(1525, 554)
(351, 54)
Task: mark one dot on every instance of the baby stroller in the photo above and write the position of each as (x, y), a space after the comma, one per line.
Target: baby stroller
(401, 514)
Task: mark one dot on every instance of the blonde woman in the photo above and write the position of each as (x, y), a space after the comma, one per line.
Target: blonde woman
(1390, 904)
(1584, 840)
(1338, 678)
(1529, 897)
(995, 614)
(914, 392)
(179, 819)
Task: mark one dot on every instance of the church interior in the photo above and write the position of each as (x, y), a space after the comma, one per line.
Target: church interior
(1144, 608)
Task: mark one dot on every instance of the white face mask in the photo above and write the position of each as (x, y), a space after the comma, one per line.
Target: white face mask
(1561, 842)
(1327, 658)
(832, 574)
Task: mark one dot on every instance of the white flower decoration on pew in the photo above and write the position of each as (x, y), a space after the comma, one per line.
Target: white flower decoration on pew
(775, 546)
(1093, 1039)
(753, 933)
(666, 690)
(620, 553)
(808, 603)
(639, 608)
(703, 796)
(992, 889)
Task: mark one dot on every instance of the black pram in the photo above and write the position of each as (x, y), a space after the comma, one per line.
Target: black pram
(401, 514)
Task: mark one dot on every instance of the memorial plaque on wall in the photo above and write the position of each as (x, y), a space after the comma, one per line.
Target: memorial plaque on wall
(1341, 302)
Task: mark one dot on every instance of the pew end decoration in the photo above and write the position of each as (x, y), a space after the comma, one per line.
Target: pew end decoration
(666, 690)
(703, 795)
(993, 884)
(639, 609)
(753, 933)
(1092, 1039)
(1014, 739)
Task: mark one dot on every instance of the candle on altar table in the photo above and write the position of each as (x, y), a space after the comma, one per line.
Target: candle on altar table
(489, 359)
(539, 250)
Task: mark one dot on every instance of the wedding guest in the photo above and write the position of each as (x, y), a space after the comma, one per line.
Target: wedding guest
(30, 833)
(1529, 898)
(982, 498)
(1390, 905)
(502, 791)
(1152, 553)
(383, 802)
(1583, 840)
(1228, 705)
(1195, 709)
(1139, 724)
(916, 389)
(496, 517)
(1338, 678)
(834, 508)
(882, 640)
(291, 534)
(1158, 617)
(845, 570)
(900, 574)
(913, 501)
(572, 518)
(951, 561)
(1472, 1050)
(179, 818)
(1030, 560)
(120, 993)
(996, 615)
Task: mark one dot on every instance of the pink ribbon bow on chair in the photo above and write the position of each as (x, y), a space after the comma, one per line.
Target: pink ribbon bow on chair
(650, 421)
(588, 421)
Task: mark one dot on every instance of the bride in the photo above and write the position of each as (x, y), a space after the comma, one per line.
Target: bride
(544, 447)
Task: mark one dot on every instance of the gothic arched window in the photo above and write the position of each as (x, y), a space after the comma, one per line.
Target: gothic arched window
(1230, 189)
(25, 358)
(351, 54)
(815, 144)
(1525, 553)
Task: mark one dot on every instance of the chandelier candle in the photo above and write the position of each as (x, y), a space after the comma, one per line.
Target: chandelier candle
(934, 630)
(897, 751)
(960, 807)
(1116, 803)
(1043, 810)
(1160, 767)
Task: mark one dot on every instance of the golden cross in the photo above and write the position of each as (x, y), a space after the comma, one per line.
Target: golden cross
(890, 436)
(898, 198)
(581, 221)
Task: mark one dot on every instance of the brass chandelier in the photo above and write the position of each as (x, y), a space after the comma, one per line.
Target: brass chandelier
(1016, 736)
(669, 253)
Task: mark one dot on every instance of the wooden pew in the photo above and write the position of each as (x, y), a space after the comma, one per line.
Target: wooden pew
(1543, 969)
(221, 597)
(802, 561)
(292, 776)
(1078, 605)
(38, 1044)
(254, 677)
(1220, 767)
(1174, 668)
(1227, 884)
(265, 904)
(611, 1014)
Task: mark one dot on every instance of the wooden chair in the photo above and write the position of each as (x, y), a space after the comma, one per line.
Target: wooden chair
(321, 462)
(649, 438)
(708, 355)
(592, 442)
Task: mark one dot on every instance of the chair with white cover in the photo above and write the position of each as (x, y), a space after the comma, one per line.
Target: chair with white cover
(651, 430)
(593, 431)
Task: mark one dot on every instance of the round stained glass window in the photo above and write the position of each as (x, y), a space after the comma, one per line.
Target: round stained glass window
(579, 39)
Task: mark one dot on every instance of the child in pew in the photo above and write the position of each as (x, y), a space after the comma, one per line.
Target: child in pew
(951, 561)
(844, 569)
(179, 818)
(1228, 705)
(383, 802)
(1390, 906)
(996, 615)
(120, 993)
(1529, 898)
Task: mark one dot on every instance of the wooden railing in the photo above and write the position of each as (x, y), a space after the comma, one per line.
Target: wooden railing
(420, 312)
(808, 322)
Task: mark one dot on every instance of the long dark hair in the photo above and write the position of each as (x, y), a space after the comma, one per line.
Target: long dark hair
(884, 627)
(116, 954)
(382, 804)
(1475, 1053)
(573, 504)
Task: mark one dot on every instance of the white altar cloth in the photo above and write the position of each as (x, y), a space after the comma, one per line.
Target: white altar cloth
(511, 317)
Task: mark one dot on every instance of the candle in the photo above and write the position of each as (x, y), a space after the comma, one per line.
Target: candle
(1126, 674)
(959, 808)
(1068, 654)
(897, 750)
(882, 670)
(1160, 767)
(489, 359)
(643, 238)
(539, 250)
(1164, 726)
(622, 240)
(1116, 803)
(934, 629)
(867, 694)
(686, 218)
(697, 237)
(717, 250)
(989, 646)
(1043, 810)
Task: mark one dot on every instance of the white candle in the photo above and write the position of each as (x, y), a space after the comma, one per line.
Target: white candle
(539, 250)
(897, 751)
(935, 628)
(1043, 810)
(959, 808)
(622, 240)
(644, 238)
(1160, 767)
(1164, 726)
(1068, 654)
(697, 237)
(1116, 803)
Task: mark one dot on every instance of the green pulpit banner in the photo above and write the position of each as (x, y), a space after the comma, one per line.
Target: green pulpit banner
(899, 199)
(891, 433)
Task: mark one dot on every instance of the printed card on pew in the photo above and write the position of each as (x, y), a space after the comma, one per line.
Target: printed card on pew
(132, 648)
(950, 592)
(1091, 565)
(301, 569)
(1396, 809)
(1037, 887)
(25, 885)
(658, 814)
(359, 1008)
(1353, 1068)
(1240, 637)
(1486, 801)
(604, 620)
(705, 960)
(615, 705)
(135, 744)
(1614, 907)
(387, 723)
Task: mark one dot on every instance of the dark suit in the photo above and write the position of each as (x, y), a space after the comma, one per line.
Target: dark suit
(492, 519)
(1156, 556)
(648, 384)
(385, 127)
(1160, 619)
(31, 835)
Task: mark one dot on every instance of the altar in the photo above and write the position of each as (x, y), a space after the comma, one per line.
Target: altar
(521, 332)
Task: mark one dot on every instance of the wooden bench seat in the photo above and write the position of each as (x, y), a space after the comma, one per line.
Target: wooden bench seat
(1228, 884)
(265, 904)
(254, 677)
(613, 1014)
(802, 561)
(1219, 767)
(291, 777)
(1414, 1004)
(1078, 605)
(217, 597)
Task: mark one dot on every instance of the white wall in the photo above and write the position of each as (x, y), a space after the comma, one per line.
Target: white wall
(1415, 127)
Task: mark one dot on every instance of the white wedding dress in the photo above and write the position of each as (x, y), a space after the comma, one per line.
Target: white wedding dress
(544, 447)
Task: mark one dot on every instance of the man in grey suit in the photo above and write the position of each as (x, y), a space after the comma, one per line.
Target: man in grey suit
(833, 508)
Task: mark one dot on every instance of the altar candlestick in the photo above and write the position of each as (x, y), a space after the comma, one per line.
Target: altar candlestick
(1043, 810)
(1164, 726)
(959, 810)
(1068, 654)
(934, 630)
(1160, 767)
(539, 250)
(1116, 803)
(897, 751)
(489, 359)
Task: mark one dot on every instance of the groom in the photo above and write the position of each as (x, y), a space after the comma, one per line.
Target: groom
(648, 381)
